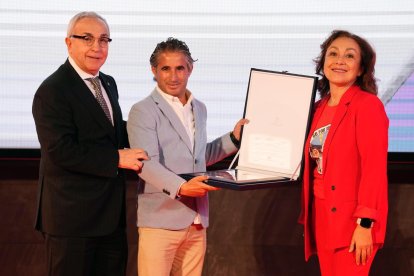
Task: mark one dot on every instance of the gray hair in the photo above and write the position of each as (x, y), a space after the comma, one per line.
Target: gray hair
(81, 16)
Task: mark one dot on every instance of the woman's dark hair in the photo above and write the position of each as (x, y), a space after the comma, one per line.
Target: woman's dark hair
(366, 81)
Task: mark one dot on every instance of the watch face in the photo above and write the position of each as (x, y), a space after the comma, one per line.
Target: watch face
(366, 222)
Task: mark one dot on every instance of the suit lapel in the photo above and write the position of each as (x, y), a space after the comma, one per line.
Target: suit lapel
(113, 98)
(340, 113)
(172, 117)
(198, 127)
(86, 98)
(318, 112)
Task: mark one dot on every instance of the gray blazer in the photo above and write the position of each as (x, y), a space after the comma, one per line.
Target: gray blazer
(154, 126)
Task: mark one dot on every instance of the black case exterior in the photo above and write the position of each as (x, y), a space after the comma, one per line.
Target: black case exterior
(242, 186)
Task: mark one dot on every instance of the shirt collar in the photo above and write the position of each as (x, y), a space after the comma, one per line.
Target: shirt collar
(80, 72)
(172, 99)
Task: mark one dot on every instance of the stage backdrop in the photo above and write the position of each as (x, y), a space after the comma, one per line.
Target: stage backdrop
(226, 37)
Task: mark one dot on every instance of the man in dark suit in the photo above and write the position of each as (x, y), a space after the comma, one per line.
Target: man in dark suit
(81, 206)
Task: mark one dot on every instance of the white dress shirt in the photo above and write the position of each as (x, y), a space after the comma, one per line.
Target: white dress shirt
(184, 112)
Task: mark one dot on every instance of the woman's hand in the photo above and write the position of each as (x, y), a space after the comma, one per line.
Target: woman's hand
(362, 244)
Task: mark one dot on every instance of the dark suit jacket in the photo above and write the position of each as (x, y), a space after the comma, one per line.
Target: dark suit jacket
(81, 190)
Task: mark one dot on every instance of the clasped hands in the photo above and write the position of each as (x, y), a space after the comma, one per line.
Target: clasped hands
(132, 159)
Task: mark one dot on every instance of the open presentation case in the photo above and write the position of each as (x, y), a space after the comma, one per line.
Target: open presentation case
(278, 106)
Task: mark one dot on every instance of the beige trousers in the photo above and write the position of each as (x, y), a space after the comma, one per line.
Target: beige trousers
(165, 252)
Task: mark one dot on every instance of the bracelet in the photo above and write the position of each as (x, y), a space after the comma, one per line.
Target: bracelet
(234, 140)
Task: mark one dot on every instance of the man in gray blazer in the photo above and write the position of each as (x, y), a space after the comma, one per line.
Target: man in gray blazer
(171, 125)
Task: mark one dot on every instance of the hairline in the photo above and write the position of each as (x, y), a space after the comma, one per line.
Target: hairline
(189, 62)
(82, 15)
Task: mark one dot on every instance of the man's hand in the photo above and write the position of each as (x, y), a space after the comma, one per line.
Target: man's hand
(196, 187)
(131, 158)
(362, 244)
(237, 128)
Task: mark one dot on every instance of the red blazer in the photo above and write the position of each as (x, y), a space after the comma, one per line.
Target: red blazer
(355, 169)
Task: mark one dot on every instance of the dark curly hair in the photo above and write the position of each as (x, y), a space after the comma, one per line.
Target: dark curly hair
(366, 81)
(171, 45)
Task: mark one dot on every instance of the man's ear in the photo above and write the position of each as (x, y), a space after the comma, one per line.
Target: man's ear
(154, 70)
(68, 42)
(190, 68)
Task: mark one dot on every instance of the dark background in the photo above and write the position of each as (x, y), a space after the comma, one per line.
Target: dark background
(250, 233)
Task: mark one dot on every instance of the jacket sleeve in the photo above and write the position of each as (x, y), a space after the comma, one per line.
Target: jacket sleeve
(372, 142)
(58, 133)
(142, 133)
(219, 149)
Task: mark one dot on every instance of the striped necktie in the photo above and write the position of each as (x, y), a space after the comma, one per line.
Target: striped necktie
(99, 97)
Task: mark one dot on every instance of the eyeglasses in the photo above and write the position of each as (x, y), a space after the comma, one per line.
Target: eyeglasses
(89, 40)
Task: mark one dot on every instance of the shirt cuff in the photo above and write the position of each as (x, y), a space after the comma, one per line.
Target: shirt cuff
(178, 196)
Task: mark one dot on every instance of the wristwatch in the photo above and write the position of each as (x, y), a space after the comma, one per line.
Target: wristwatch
(234, 140)
(365, 222)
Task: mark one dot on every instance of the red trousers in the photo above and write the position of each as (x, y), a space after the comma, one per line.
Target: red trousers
(338, 261)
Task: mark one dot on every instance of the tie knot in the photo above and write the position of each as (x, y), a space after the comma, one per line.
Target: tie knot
(94, 81)
(96, 85)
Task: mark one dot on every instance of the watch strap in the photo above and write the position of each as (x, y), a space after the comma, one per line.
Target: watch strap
(365, 222)
(234, 140)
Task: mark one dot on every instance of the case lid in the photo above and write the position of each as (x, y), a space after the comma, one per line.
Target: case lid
(278, 106)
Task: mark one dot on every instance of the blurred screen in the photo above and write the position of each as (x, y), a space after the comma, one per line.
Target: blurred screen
(226, 37)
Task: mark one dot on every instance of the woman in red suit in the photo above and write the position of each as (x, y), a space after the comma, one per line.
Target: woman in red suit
(344, 195)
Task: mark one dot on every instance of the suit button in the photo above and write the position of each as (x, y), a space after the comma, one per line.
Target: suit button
(333, 209)
(195, 161)
(333, 188)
